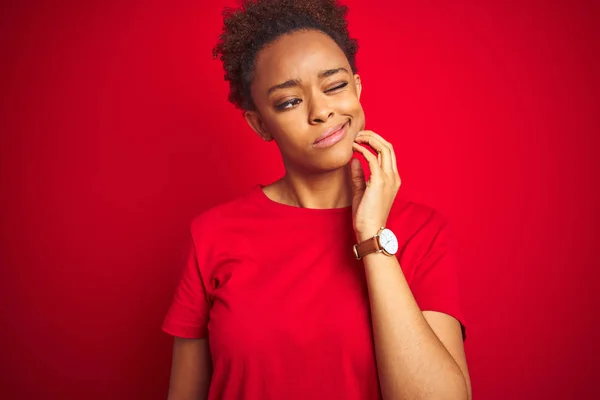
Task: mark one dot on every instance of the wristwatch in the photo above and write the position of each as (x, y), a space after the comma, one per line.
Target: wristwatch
(383, 242)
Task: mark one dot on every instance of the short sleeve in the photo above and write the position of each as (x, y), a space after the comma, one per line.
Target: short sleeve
(188, 315)
(435, 284)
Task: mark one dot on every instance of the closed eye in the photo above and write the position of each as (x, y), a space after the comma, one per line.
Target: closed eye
(340, 86)
(294, 102)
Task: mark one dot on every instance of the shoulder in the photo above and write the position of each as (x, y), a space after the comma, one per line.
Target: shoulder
(243, 208)
(420, 230)
(411, 216)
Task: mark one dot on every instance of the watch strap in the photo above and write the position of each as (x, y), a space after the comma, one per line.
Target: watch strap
(367, 247)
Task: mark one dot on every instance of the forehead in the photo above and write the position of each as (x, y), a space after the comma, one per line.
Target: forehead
(296, 55)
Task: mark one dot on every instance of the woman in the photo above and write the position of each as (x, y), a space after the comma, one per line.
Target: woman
(294, 290)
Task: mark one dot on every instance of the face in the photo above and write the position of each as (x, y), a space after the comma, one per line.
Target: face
(307, 100)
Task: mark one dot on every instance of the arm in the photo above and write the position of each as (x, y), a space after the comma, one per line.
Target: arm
(419, 354)
(191, 370)
(446, 328)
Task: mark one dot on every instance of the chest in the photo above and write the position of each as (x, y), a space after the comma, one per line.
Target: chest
(300, 296)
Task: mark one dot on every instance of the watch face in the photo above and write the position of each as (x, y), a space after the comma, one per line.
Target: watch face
(388, 241)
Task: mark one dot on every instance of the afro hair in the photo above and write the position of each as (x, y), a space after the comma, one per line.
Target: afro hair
(256, 23)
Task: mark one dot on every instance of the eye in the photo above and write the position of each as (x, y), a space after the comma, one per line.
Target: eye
(288, 104)
(340, 86)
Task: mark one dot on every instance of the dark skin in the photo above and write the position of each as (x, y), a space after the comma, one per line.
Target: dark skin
(303, 86)
(295, 116)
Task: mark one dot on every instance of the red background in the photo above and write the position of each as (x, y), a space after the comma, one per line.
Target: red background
(116, 131)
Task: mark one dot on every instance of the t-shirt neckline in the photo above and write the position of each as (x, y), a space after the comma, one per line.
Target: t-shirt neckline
(286, 208)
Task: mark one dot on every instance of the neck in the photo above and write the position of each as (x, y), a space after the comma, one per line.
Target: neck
(323, 190)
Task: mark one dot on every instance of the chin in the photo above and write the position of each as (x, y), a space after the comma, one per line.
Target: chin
(337, 157)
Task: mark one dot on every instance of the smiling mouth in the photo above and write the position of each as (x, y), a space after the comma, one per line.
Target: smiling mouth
(335, 132)
(333, 137)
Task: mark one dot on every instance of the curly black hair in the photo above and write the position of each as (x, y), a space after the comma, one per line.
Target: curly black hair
(256, 23)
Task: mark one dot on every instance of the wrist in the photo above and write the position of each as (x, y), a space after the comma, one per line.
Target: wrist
(366, 233)
(375, 240)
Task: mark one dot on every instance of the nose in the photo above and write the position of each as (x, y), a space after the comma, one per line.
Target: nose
(319, 110)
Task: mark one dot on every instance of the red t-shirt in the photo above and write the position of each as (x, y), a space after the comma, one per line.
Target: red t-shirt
(277, 291)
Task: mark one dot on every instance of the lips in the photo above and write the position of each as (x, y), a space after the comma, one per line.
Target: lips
(331, 131)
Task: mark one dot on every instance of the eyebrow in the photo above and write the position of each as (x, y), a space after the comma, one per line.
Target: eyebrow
(296, 82)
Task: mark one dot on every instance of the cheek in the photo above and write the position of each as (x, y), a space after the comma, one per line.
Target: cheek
(286, 129)
(349, 104)
(353, 107)
(360, 118)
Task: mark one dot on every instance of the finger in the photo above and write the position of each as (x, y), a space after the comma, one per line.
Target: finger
(389, 161)
(358, 177)
(392, 152)
(371, 159)
(381, 147)
(388, 145)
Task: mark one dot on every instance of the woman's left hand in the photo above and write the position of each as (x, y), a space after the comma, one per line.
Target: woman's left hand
(373, 199)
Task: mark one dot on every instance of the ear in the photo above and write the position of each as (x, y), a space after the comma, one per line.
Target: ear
(256, 123)
(357, 84)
